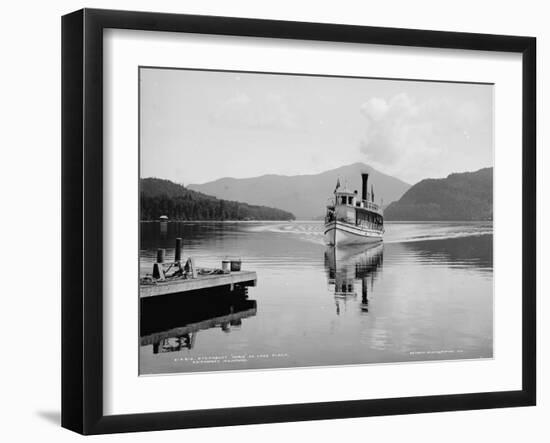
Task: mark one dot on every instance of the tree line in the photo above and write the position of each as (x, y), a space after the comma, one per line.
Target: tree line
(162, 197)
(460, 196)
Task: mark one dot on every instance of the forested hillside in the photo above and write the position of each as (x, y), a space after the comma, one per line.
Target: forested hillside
(464, 196)
(163, 197)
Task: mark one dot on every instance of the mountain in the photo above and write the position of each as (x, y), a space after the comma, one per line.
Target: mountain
(303, 195)
(163, 197)
(464, 196)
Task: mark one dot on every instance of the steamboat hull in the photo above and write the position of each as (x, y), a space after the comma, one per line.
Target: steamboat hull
(338, 233)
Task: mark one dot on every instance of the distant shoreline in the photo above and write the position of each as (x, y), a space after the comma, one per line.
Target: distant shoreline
(396, 222)
(221, 221)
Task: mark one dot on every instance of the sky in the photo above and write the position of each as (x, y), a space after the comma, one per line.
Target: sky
(199, 126)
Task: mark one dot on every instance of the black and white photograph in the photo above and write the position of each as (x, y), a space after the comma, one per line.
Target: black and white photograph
(295, 221)
(275, 221)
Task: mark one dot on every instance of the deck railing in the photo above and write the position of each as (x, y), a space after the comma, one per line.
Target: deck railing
(364, 205)
(372, 206)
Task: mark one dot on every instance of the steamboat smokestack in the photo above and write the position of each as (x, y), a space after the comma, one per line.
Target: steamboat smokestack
(365, 178)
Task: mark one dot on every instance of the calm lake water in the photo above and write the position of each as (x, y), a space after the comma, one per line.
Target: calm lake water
(426, 293)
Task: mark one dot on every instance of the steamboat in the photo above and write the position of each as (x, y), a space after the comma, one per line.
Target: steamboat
(352, 220)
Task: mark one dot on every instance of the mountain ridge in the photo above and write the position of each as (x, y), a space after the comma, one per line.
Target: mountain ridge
(303, 195)
(356, 164)
(463, 196)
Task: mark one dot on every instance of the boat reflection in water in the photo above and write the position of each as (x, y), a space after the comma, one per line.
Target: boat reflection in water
(171, 323)
(353, 269)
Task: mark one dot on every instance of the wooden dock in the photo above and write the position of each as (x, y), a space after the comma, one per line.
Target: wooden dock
(242, 278)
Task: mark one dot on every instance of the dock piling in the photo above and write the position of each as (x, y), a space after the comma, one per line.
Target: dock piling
(179, 243)
(158, 269)
(160, 255)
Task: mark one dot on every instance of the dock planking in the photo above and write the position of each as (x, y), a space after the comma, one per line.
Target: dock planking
(242, 278)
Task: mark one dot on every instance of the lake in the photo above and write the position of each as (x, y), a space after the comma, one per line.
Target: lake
(425, 293)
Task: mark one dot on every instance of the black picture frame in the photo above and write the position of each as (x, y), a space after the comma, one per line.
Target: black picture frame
(82, 220)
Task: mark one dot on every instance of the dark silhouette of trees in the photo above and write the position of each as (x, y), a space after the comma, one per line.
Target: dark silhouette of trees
(463, 196)
(163, 197)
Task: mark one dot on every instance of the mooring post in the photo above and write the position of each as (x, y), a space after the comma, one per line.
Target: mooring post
(160, 255)
(179, 243)
(158, 268)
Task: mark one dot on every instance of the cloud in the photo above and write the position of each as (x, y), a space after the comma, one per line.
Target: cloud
(414, 140)
(267, 111)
